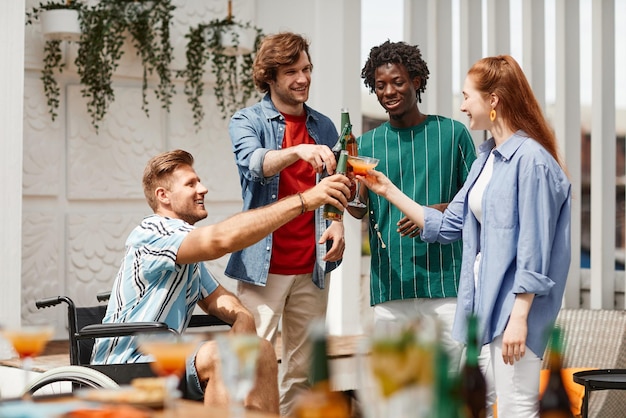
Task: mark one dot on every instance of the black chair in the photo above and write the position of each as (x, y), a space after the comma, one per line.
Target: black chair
(84, 326)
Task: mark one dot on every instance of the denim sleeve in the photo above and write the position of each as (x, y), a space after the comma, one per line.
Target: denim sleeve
(248, 140)
(541, 196)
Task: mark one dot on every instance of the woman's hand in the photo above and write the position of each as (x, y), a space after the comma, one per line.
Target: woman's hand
(376, 182)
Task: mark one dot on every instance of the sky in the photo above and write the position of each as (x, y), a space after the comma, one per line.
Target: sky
(382, 20)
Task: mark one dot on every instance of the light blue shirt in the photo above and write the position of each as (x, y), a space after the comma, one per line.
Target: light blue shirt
(254, 131)
(524, 240)
(151, 287)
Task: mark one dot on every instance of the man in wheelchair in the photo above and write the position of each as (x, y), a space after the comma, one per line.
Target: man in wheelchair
(162, 276)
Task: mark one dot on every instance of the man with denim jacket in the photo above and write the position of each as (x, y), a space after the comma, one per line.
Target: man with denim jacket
(281, 147)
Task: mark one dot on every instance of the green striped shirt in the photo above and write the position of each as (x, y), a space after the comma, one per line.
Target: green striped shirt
(429, 163)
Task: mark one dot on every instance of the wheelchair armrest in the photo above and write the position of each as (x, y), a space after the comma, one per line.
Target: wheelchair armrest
(118, 330)
(200, 320)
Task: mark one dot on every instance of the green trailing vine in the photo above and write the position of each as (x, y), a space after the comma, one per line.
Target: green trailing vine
(52, 57)
(234, 85)
(52, 60)
(104, 27)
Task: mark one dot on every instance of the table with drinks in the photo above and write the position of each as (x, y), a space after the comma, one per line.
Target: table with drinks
(70, 407)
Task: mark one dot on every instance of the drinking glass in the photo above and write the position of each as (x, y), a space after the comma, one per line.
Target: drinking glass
(238, 354)
(28, 342)
(396, 370)
(360, 165)
(169, 352)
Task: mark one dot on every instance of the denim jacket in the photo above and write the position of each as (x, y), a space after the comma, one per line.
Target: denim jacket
(524, 239)
(254, 131)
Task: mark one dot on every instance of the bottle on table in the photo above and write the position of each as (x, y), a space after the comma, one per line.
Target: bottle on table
(330, 212)
(320, 401)
(554, 402)
(446, 396)
(473, 383)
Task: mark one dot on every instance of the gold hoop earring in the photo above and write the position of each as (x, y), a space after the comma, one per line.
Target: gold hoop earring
(492, 115)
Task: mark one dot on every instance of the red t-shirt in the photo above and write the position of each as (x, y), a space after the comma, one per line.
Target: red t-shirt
(293, 249)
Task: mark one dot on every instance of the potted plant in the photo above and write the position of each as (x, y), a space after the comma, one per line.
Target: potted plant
(59, 19)
(104, 29)
(60, 22)
(220, 42)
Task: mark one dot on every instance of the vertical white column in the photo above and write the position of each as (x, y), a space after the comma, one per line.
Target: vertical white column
(471, 46)
(603, 150)
(11, 116)
(534, 47)
(498, 27)
(567, 126)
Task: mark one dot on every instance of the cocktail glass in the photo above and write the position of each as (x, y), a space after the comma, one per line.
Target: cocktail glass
(360, 165)
(169, 352)
(397, 369)
(28, 342)
(238, 354)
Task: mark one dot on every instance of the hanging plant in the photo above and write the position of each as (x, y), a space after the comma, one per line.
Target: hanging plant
(221, 43)
(104, 28)
(52, 57)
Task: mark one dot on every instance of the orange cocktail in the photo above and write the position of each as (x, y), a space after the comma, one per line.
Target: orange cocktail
(28, 341)
(360, 165)
(169, 356)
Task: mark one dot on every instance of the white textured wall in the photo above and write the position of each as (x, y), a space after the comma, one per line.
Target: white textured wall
(11, 92)
(82, 191)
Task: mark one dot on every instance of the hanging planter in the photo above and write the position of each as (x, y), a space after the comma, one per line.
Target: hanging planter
(229, 47)
(60, 25)
(236, 39)
(70, 12)
(103, 28)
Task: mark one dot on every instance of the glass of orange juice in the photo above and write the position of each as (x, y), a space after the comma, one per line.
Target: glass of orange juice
(169, 352)
(238, 354)
(360, 164)
(28, 342)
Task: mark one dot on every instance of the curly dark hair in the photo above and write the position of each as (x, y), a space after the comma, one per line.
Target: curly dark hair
(398, 53)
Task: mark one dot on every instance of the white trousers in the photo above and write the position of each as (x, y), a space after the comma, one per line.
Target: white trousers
(297, 301)
(516, 386)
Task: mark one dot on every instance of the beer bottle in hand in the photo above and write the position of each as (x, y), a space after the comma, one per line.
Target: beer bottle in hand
(330, 212)
(350, 140)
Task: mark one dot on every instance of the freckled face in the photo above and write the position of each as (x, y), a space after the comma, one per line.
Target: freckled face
(476, 105)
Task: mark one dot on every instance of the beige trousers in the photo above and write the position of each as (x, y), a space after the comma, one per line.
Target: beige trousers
(296, 300)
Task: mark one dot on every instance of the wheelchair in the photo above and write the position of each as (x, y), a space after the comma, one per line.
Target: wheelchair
(84, 326)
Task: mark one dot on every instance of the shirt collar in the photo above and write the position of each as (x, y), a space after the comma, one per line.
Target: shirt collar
(508, 148)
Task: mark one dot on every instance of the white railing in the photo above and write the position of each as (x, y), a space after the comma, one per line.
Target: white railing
(549, 32)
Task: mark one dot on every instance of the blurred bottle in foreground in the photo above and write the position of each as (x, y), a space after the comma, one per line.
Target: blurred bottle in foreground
(555, 403)
(320, 401)
(473, 383)
(447, 397)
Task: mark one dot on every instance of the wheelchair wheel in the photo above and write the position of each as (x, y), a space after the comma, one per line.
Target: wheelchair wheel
(76, 375)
